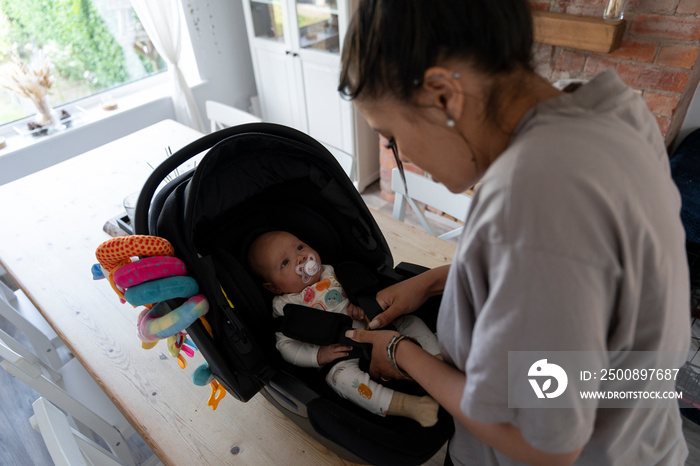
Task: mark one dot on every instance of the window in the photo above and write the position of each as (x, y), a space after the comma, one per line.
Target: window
(94, 45)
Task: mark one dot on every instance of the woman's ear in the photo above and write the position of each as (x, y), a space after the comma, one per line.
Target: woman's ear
(443, 89)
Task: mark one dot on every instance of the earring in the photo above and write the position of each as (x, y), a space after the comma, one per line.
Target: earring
(450, 120)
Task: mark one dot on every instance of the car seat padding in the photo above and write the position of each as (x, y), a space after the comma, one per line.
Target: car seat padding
(361, 286)
(322, 328)
(314, 326)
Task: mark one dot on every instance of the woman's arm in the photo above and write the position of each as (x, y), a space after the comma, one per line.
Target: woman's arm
(408, 295)
(446, 385)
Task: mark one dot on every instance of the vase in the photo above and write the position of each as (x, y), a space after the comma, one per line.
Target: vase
(46, 116)
(615, 10)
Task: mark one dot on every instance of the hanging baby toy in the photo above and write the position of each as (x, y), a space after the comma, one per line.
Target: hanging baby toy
(160, 283)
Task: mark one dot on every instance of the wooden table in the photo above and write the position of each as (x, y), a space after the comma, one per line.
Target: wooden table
(52, 223)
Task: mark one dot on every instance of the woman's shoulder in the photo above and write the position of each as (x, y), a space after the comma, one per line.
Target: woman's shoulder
(598, 138)
(601, 115)
(574, 175)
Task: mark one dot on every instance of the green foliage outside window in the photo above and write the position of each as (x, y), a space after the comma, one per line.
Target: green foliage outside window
(94, 45)
(84, 47)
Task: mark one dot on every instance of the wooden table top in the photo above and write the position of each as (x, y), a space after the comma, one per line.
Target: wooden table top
(53, 222)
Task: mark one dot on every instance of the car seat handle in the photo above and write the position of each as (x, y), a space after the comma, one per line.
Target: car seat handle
(202, 144)
(171, 163)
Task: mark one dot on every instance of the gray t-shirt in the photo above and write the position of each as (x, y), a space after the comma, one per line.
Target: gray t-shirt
(573, 242)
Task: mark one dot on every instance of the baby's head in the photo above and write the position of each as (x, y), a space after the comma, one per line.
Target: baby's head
(284, 262)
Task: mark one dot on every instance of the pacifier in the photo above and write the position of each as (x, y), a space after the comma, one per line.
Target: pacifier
(308, 269)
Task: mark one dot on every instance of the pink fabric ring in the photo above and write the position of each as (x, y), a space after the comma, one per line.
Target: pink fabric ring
(147, 269)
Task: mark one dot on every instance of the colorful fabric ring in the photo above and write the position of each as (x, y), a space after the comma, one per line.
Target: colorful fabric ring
(163, 322)
(155, 291)
(116, 252)
(149, 268)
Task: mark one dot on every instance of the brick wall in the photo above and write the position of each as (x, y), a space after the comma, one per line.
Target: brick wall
(659, 56)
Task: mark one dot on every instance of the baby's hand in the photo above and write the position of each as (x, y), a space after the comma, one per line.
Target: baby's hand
(330, 353)
(356, 313)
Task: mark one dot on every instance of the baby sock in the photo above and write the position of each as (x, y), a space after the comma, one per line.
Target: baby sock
(422, 409)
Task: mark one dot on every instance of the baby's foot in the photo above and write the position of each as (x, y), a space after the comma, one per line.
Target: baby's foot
(422, 409)
(426, 411)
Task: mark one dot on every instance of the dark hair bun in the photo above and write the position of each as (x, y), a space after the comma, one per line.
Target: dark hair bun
(391, 43)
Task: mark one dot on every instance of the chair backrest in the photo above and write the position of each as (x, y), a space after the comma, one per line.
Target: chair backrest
(73, 390)
(427, 191)
(224, 116)
(13, 352)
(67, 446)
(16, 308)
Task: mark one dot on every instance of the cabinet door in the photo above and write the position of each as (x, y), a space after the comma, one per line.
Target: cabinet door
(317, 25)
(271, 32)
(279, 88)
(318, 37)
(329, 117)
(267, 21)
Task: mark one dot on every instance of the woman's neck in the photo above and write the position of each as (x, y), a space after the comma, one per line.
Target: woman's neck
(529, 89)
(513, 95)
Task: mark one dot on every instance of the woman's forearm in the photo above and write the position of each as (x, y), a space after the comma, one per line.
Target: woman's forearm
(435, 280)
(408, 295)
(446, 385)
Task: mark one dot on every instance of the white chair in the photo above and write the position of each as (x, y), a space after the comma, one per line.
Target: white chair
(67, 446)
(224, 116)
(19, 311)
(73, 390)
(428, 192)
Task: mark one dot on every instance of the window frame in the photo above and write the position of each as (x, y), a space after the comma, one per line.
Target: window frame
(129, 95)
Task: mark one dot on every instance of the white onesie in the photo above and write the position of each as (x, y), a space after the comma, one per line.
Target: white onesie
(345, 377)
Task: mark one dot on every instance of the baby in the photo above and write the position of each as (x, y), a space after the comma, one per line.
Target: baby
(292, 270)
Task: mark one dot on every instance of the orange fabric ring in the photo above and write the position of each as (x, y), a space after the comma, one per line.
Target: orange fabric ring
(117, 252)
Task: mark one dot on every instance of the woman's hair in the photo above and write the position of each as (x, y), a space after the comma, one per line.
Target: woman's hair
(390, 44)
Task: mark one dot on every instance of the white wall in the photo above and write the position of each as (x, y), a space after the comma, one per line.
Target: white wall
(220, 42)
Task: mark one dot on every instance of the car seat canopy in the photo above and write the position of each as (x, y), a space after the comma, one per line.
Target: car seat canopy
(254, 183)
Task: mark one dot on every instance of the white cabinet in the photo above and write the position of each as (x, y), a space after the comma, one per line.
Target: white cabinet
(295, 46)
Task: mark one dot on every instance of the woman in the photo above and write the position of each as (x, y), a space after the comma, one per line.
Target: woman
(573, 242)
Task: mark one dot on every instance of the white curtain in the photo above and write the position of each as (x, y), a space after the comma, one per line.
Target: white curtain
(161, 19)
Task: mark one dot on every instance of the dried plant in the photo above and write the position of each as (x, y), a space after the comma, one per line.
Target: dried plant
(33, 81)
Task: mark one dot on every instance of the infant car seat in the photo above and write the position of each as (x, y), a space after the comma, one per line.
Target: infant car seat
(685, 170)
(254, 178)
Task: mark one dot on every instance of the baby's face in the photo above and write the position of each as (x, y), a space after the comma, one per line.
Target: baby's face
(281, 253)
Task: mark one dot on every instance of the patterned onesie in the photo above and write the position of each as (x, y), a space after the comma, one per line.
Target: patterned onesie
(345, 377)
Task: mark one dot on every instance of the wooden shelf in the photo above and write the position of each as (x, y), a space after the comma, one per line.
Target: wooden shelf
(578, 32)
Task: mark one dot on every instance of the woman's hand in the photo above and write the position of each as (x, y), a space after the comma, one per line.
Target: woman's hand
(332, 352)
(397, 300)
(380, 368)
(407, 296)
